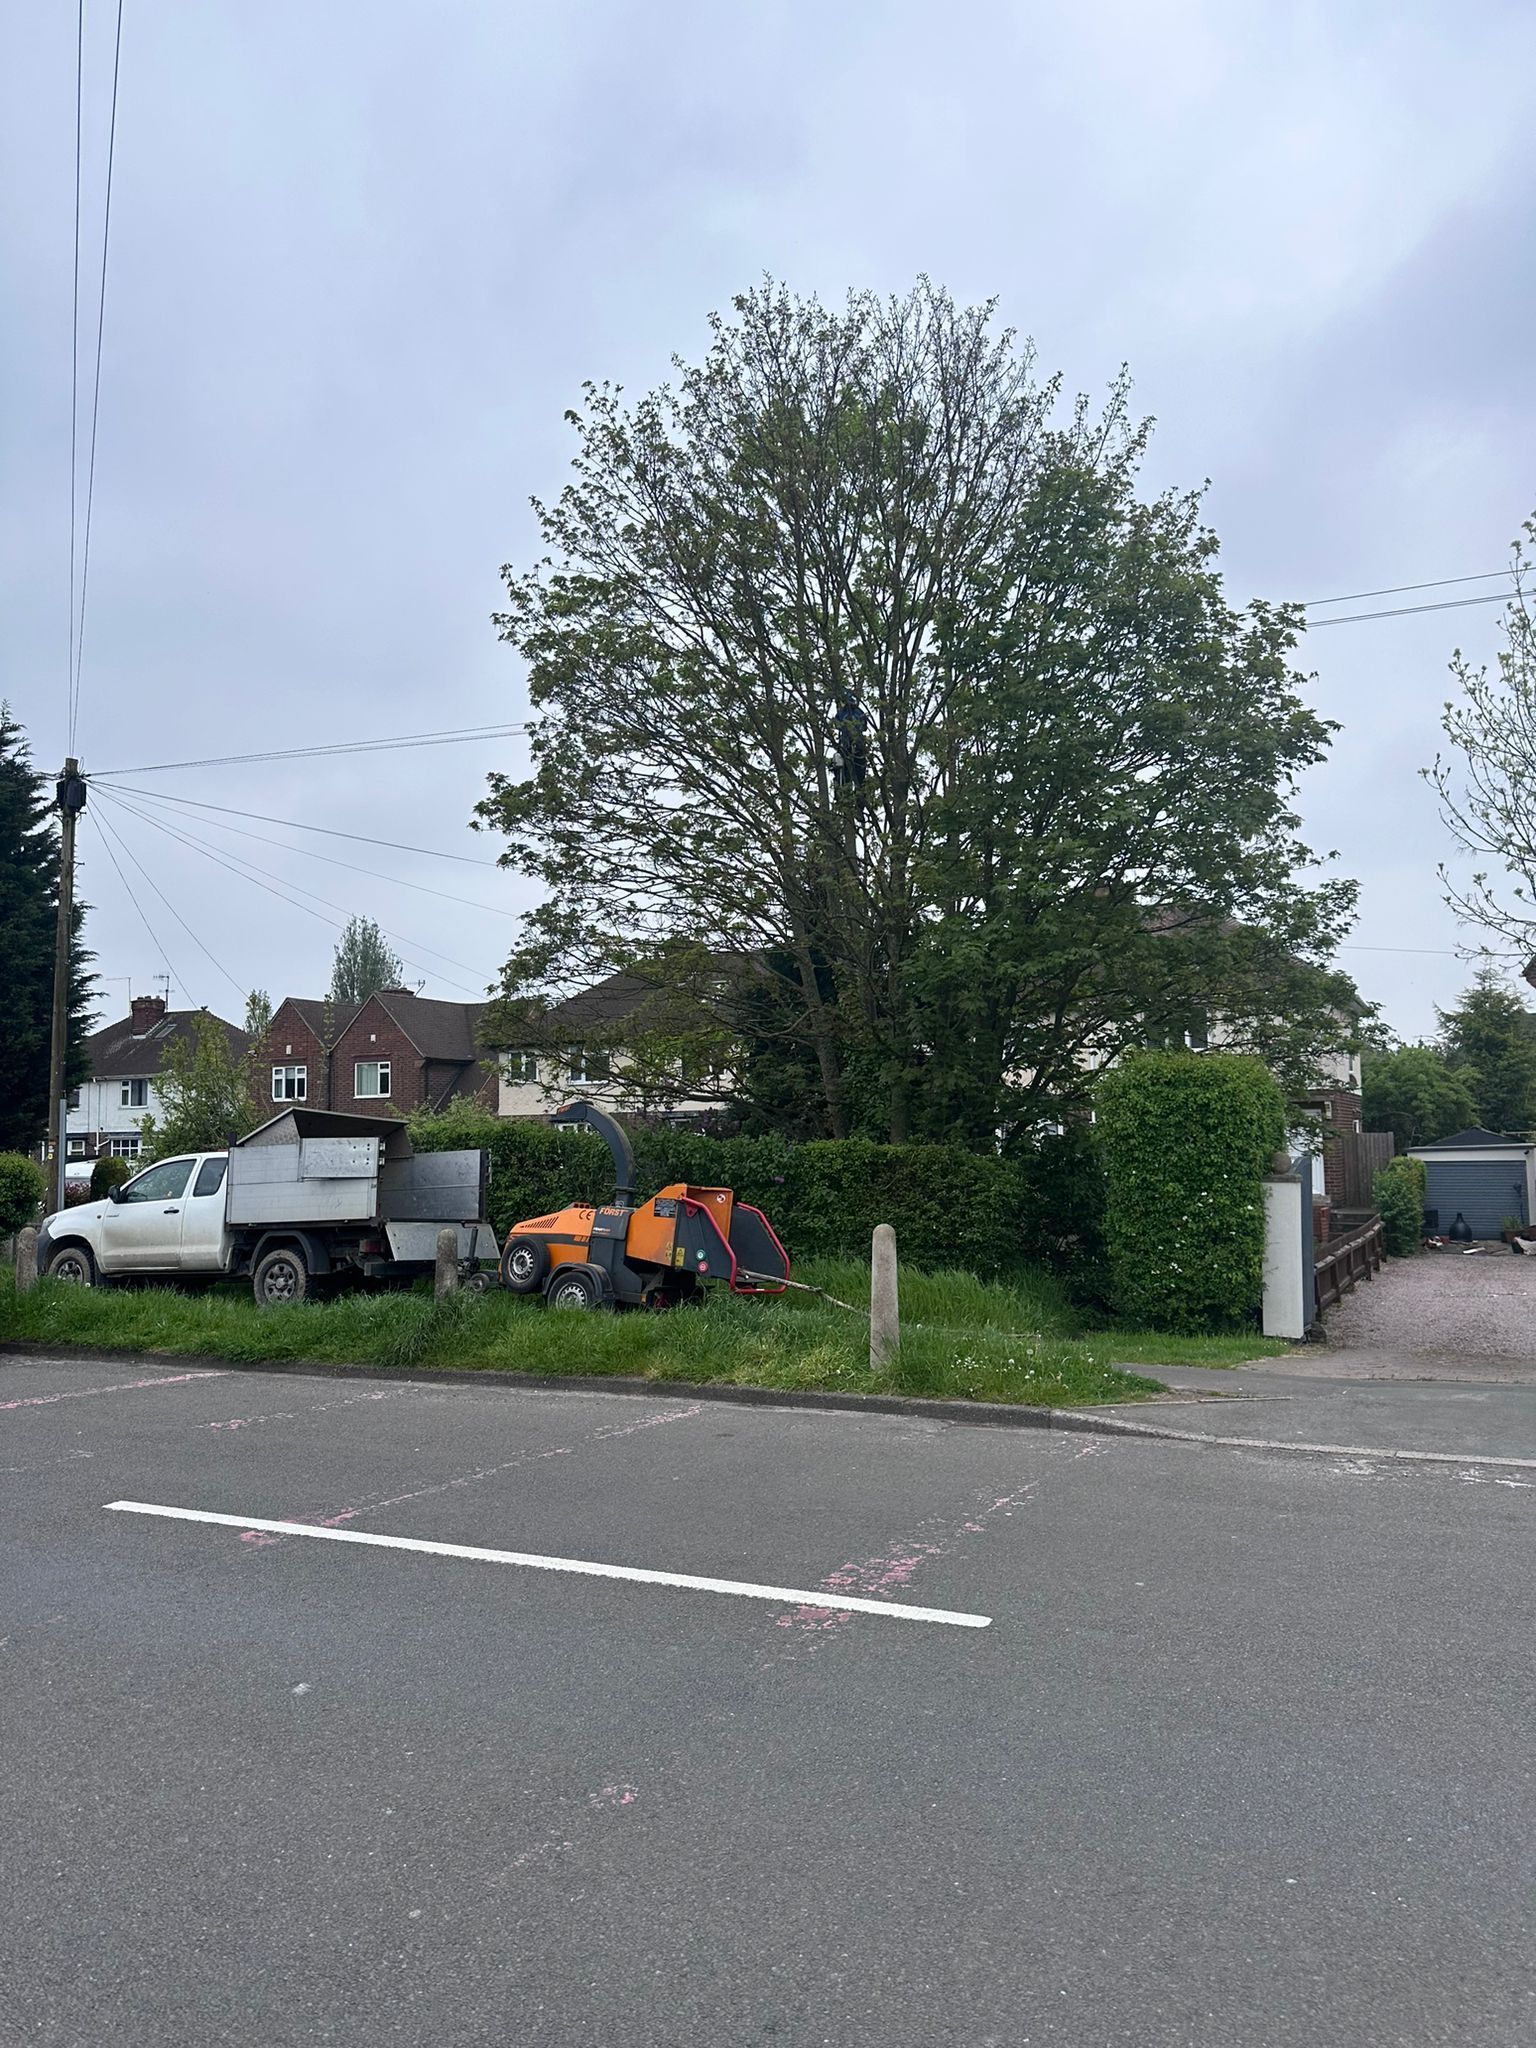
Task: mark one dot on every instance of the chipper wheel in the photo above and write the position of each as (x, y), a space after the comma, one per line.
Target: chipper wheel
(576, 1287)
(524, 1265)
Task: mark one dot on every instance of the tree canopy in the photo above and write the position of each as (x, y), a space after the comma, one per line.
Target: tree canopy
(860, 660)
(1490, 1039)
(363, 964)
(29, 908)
(1414, 1092)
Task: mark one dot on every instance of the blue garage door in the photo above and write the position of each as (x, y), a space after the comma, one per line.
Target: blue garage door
(1485, 1192)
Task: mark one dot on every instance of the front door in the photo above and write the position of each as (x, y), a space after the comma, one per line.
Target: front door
(202, 1218)
(141, 1232)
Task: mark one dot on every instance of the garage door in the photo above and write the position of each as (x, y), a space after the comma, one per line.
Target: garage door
(1485, 1193)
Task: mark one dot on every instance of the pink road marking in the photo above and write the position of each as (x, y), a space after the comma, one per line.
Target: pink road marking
(179, 1379)
(877, 1576)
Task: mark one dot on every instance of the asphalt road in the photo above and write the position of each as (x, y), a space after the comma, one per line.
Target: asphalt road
(1244, 1758)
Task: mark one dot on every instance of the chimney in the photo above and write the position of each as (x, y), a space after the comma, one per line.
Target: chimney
(147, 1012)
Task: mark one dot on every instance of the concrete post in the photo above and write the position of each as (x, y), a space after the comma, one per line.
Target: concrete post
(884, 1307)
(446, 1280)
(26, 1260)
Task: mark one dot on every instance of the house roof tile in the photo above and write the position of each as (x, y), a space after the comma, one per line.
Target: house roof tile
(121, 1052)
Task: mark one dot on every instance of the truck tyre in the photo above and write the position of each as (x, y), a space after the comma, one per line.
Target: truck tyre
(575, 1287)
(73, 1263)
(524, 1264)
(280, 1278)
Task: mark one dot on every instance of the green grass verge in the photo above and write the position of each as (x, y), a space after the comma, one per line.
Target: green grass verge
(961, 1339)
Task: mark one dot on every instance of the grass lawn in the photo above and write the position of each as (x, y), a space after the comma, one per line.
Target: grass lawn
(960, 1338)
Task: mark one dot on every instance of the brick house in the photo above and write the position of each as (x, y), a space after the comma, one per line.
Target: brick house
(392, 1054)
(105, 1112)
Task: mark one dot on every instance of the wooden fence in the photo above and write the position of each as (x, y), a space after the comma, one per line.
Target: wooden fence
(1351, 1163)
(1349, 1260)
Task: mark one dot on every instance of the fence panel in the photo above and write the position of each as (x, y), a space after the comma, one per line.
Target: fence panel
(1348, 1261)
(1351, 1163)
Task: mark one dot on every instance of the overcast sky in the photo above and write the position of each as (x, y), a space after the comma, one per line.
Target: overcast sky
(362, 257)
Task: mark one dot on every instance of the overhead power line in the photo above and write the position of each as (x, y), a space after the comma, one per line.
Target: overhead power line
(1397, 589)
(276, 885)
(207, 951)
(101, 315)
(313, 853)
(451, 736)
(74, 380)
(330, 831)
(102, 829)
(1449, 604)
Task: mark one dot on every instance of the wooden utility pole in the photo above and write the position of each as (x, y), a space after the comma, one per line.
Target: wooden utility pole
(71, 794)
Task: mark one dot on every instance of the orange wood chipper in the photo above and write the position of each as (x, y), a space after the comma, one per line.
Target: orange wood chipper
(654, 1255)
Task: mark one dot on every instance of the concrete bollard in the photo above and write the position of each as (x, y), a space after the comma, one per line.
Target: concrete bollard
(26, 1260)
(884, 1307)
(446, 1280)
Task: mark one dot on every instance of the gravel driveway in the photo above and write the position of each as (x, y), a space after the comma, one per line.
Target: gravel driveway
(1446, 1306)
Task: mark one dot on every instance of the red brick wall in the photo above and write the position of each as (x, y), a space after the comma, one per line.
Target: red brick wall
(289, 1029)
(373, 1035)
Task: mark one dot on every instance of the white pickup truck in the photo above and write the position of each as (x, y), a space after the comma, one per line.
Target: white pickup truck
(310, 1201)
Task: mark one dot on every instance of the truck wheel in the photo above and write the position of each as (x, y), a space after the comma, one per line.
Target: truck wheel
(524, 1264)
(281, 1277)
(74, 1264)
(575, 1287)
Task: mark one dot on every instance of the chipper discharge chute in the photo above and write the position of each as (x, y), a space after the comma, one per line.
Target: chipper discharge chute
(652, 1255)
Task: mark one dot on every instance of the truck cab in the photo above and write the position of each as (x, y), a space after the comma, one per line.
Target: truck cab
(169, 1220)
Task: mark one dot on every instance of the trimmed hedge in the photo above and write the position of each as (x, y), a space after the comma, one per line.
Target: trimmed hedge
(23, 1190)
(1401, 1190)
(1187, 1139)
(950, 1208)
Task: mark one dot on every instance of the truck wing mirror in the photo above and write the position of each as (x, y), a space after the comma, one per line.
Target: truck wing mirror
(115, 1192)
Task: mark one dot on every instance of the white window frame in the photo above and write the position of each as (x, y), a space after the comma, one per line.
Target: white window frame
(75, 1148)
(578, 1060)
(522, 1067)
(290, 1082)
(133, 1095)
(125, 1148)
(382, 1077)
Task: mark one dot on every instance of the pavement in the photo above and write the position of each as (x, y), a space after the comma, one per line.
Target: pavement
(1242, 1757)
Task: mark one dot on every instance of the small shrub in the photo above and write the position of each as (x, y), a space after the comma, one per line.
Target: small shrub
(23, 1190)
(1400, 1190)
(108, 1173)
(1187, 1140)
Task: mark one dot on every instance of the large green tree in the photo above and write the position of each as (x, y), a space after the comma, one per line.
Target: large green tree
(1490, 1038)
(29, 904)
(1415, 1092)
(363, 964)
(208, 1094)
(858, 656)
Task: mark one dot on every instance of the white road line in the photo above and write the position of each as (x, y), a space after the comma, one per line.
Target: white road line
(794, 1596)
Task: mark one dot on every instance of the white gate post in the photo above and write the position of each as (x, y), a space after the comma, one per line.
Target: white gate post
(1287, 1252)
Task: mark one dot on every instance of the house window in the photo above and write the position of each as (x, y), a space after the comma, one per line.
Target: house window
(126, 1148)
(134, 1094)
(290, 1084)
(522, 1066)
(74, 1098)
(76, 1148)
(372, 1078)
(588, 1063)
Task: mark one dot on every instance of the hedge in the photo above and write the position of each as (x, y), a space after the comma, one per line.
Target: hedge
(108, 1172)
(1187, 1140)
(23, 1190)
(950, 1208)
(1400, 1191)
